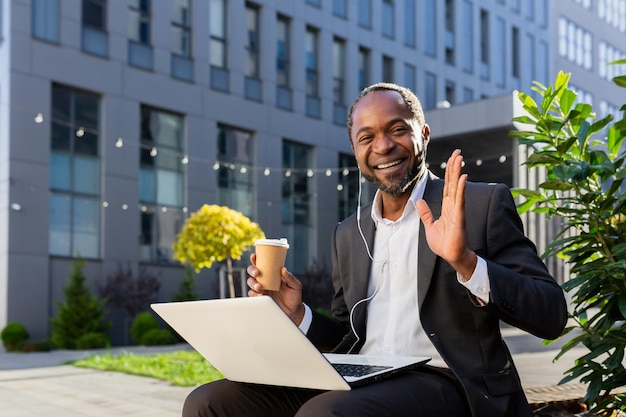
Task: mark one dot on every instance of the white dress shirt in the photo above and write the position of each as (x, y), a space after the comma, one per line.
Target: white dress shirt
(393, 325)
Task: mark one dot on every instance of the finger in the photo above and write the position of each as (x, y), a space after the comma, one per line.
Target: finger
(289, 279)
(460, 200)
(254, 285)
(253, 258)
(426, 215)
(453, 170)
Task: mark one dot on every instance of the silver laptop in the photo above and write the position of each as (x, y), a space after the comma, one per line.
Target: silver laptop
(250, 339)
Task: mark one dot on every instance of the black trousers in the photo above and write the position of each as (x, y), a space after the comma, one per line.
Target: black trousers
(421, 393)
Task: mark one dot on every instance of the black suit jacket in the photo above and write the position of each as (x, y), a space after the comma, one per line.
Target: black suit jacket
(466, 335)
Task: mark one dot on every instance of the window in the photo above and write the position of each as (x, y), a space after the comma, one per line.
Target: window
(296, 210)
(409, 23)
(608, 53)
(347, 185)
(575, 43)
(409, 77)
(94, 36)
(340, 8)
(530, 10)
(430, 28)
(501, 52)
(252, 71)
(430, 96)
(365, 13)
(364, 68)
(182, 67)
(388, 19)
(339, 81)
(311, 51)
(283, 65)
(161, 184)
(218, 45)
(314, 3)
(45, 19)
(234, 169)
(449, 41)
(468, 36)
(484, 44)
(515, 52)
(613, 12)
(74, 228)
(139, 34)
(468, 95)
(450, 92)
(388, 69)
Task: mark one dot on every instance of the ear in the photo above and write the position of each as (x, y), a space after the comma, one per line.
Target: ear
(426, 133)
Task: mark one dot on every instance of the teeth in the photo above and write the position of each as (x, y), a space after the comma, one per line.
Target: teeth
(390, 164)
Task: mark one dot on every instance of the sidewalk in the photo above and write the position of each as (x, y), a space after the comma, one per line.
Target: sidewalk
(41, 384)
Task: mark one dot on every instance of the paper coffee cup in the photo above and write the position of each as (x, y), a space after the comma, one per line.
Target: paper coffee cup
(270, 259)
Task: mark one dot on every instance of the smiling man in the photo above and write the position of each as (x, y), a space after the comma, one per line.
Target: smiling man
(413, 277)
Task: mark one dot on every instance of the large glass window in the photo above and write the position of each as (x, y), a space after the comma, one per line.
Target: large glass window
(340, 8)
(501, 54)
(515, 52)
(283, 63)
(253, 51)
(218, 45)
(297, 197)
(94, 24)
(575, 43)
(339, 81)
(410, 80)
(468, 36)
(450, 49)
(365, 13)
(613, 12)
(74, 228)
(484, 44)
(161, 183)
(234, 169)
(409, 23)
(388, 19)
(139, 33)
(609, 53)
(182, 66)
(45, 19)
(364, 68)
(430, 27)
(430, 91)
(388, 69)
(311, 58)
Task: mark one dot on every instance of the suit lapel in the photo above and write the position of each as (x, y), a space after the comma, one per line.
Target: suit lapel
(426, 259)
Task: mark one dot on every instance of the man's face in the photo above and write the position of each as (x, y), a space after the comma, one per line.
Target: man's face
(387, 142)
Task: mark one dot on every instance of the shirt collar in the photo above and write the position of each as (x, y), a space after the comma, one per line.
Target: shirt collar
(416, 194)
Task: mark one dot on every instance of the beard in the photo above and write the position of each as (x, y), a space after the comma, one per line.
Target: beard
(396, 185)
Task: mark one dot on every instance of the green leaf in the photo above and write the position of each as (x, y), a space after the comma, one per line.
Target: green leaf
(622, 304)
(568, 98)
(620, 80)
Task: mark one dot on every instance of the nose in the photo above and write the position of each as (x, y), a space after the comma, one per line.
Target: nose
(383, 144)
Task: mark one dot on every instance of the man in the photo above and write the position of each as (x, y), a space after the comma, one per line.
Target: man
(417, 272)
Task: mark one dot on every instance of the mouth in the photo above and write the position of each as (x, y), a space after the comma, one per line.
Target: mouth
(388, 164)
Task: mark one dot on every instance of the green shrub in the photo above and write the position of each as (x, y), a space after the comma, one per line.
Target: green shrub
(36, 346)
(13, 335)
(81, 314)
(142, 323)
(94, 340)
(158, 337)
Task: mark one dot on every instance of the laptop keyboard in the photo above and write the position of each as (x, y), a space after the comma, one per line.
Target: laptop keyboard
(356, 370)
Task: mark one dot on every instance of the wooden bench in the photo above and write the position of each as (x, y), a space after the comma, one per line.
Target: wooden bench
(567, 396)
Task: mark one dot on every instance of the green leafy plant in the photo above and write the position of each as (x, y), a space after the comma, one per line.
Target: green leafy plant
(215, 234)
(13, 336)
(142, 323)
(584, 161)
(81, 314)
(158, 337)
(186, 289)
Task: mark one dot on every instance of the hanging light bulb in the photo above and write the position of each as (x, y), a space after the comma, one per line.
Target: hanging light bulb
(243, 170)
(119, 143)
(153, 151)
(288, 173)
(345, 172)
(339, 187)
(309, 173)
(328, 172)
(266, 172)
(216, 166)
(80, 132)
(185, 160)
(39, 118)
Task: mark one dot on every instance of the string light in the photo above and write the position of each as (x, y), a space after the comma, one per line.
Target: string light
(119, 143)
(185, 160)
(80, 132)
(153, 151)
(39, 118)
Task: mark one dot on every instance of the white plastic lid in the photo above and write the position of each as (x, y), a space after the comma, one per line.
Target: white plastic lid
(274, 242)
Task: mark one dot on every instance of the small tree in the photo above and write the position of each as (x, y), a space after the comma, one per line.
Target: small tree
(215, 234)
(81, 315)
(125, 291)
(585, 189)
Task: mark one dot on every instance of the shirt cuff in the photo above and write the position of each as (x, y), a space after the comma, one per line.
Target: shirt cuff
(306, 320)
(478, 284)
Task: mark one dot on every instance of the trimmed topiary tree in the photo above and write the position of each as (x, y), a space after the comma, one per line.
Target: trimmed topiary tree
(13, 336)
(143, 322)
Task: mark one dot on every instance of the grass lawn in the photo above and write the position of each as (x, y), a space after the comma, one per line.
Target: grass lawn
(185, 369)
